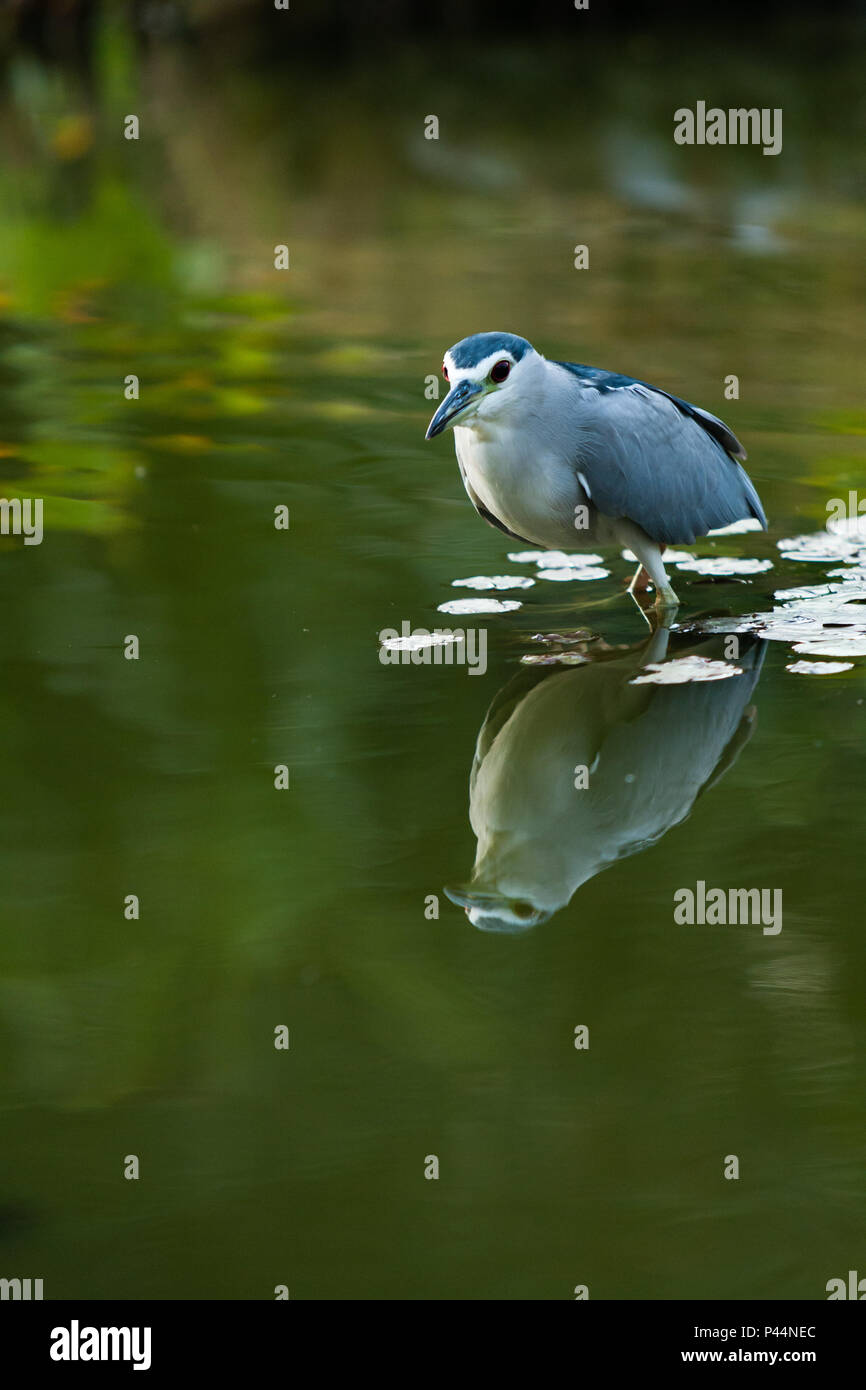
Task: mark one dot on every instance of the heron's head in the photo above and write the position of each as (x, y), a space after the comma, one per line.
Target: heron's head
(491, 911)
(486, 373)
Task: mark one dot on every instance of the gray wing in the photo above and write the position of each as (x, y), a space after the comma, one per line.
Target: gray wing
(657, 460)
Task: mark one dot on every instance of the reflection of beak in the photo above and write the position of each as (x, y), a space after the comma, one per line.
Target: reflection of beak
(471, 897)
(495, 913)
(453, 404)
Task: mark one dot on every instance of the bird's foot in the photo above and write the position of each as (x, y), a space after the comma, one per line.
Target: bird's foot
(666, 599)
(661, 612)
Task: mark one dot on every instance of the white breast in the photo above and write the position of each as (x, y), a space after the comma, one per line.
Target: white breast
(533, 492)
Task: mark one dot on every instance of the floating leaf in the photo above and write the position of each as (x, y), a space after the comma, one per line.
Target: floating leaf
(494, 581)
(841, 644)
(820, 546)
(554, 659)
(554, 559)
(479, 605)
(819, 668)
(686, 668)
(724, 565)
(563, 574)
(670, 557)
(417, 641)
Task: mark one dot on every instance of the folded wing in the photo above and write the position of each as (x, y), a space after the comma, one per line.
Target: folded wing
(665, 464)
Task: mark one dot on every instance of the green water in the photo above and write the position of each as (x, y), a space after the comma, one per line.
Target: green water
(411, 1034)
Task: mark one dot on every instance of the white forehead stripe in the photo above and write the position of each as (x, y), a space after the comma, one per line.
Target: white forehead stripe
(480, 370)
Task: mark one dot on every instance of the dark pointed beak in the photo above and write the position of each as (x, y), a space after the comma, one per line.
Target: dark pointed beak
(466, 896)
(451, 407)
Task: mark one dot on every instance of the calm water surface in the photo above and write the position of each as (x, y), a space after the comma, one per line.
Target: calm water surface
(413, 1035)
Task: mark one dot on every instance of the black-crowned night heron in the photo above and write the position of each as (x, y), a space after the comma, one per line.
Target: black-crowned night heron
(571, 458)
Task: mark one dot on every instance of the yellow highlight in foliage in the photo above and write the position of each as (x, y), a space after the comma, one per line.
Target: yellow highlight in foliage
(183, 443)
(344, 410)
(74, 303)
(352, 358)
(195, 381)
(73, 137)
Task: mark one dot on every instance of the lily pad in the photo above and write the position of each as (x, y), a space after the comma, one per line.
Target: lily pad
(479, 605)
(554, 559)
(494, 581)
(819, 668)
(562, 574)
(686, 668)
(724, 565)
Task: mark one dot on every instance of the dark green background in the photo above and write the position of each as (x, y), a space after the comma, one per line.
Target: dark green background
(408, 1036)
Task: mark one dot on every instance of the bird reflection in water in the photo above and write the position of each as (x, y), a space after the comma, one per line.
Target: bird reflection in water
(576, 767)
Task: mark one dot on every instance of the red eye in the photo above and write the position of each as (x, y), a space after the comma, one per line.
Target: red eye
(444, 371)
(500, 371)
